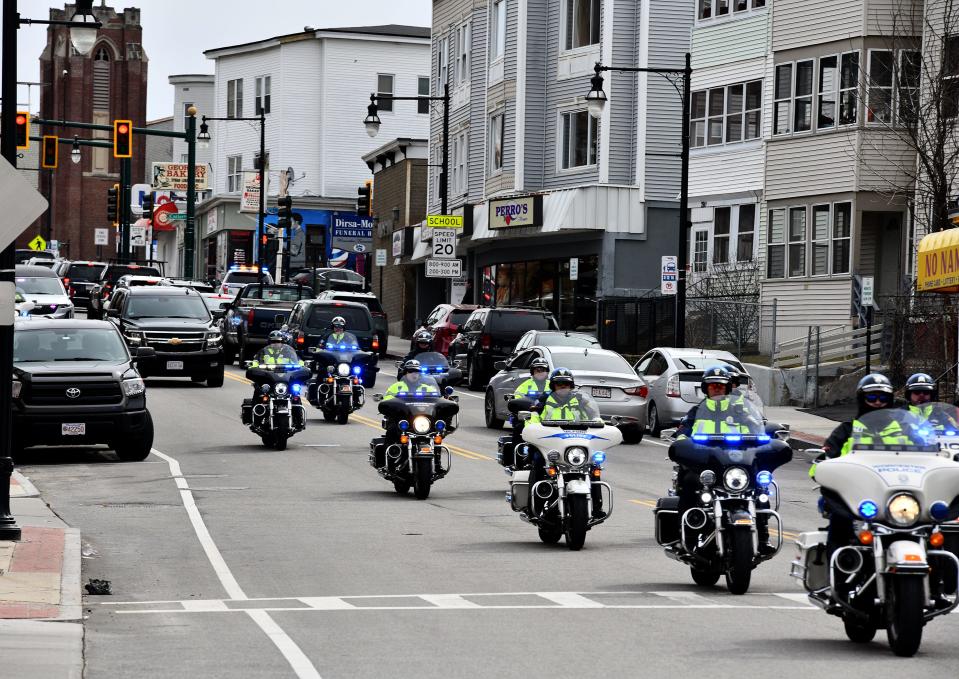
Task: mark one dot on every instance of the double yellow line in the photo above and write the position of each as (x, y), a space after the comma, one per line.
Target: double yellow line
(462, 452)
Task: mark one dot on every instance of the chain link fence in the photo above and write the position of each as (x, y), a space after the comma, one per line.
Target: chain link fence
(919, 335)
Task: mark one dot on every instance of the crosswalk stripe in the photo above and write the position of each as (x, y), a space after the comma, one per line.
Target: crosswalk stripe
(326, 603)
(570, 600)
(448, 601)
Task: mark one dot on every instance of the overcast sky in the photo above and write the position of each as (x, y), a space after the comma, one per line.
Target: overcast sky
(176, 32)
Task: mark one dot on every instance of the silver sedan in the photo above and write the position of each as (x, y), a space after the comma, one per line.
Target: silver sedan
(603, 374)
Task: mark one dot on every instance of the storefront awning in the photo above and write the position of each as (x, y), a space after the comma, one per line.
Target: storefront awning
(937, 262)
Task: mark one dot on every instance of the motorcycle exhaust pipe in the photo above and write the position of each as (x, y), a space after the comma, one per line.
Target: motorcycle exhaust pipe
(544, 491)
(696, 518)
(849, 560)
(259, 410)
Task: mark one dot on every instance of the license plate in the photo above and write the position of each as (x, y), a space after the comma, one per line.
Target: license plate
(602, 392)
(346, 389)
(282, 410)
(174, 365)
(73, 429)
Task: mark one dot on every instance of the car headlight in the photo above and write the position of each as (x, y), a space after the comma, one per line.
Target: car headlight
(213, 337)
(903, 509)
(135, 337)
(736, 479)
(576, 457)
(17, 386)
(280, 388)
(421, 424)
(133, 387)
(343, 370)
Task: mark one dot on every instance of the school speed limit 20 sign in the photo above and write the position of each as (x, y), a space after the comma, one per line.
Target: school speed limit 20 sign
(444, 244)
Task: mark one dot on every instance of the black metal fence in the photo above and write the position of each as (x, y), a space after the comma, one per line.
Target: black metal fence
(919, 335)
(633, 325)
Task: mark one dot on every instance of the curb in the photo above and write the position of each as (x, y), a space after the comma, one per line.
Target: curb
(71, 598)
(800, 440)
(27, 489)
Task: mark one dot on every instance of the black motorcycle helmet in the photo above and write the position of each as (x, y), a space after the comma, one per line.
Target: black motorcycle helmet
(716, 374)
(562, 376)
(411, 366)
(538, 364)
(875, 384)
(423, 337)
(735, 377)
(279, 337)
(922, 382)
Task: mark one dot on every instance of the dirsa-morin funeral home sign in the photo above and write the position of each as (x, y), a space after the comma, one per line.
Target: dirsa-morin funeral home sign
(937, 265)
(510, 213)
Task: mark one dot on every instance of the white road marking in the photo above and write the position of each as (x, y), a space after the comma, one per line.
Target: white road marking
(448, 601)
(326, 603)
(321, 445)
(294, 655)
(687, 598)
(204, 606)
(570, 600)
(655, 443)
(466, 393)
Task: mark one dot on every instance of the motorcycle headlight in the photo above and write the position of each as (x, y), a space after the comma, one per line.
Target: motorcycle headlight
(17, 386)
(421, 424)
(576, 457)
(280, 389)
(133, 387)
(343, 370)
(736, 479)
(903, 509)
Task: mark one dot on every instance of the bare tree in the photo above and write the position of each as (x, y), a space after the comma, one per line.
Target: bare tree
(723, 308)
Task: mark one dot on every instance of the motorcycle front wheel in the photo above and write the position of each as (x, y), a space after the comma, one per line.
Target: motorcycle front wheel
(401, 486)
(342, 414)
(550, 534)
(423, 479)
(739, 556)
(904, 614)
(860, 633)
(704, 578)
(578, 520)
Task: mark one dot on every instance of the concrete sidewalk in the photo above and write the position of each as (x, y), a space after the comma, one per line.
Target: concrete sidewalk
(806, 430)
(41, 633)
(397, 347)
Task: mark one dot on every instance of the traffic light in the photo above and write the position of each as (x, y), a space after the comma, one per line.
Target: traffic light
(148, 207)
(48, 159)
(113, 204)
(364, 199)
(23, 130)
(122, 138)
(284, 213)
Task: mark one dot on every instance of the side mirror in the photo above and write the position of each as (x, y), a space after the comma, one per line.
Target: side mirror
(113, 313)
(247, 364)
(145, 352)
(668, 433)
(524, 415)
(377, 397)
(499, 365)
(814, 455)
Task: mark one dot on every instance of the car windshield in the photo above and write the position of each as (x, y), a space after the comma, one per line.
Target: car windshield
(589, 361)
(213, 302)
(561, 339)
(276, 293)
(727, 417)
(458, 317)
(518, 322)
(115, 273)
(575, 408)
(893, 429)
(357, 320)
(703, 362)
(85, 272)
(167, 306)
(73, 344)
(40, 286)
(245, 277)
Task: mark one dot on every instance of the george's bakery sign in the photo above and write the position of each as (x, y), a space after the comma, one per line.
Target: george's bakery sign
(508, 213)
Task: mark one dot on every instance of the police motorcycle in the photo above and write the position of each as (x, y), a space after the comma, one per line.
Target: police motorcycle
(436, 366)
(895, 573)
(276, 412)
(412, 454)
(561, 503)
(725, 525)
(336, 387)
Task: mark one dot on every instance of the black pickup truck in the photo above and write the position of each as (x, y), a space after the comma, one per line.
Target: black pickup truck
(257, 310)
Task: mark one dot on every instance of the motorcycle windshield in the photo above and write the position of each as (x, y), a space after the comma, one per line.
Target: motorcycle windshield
(892, 429)
(943, 418)
(278, 357)
(419, 389)
(345, 344)
(732, 419)
(576, 409)
(433, 363)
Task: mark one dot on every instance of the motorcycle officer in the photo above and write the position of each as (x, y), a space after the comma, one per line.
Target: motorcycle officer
(562, 403)
(277, 353)
(422, 344)
(536, 386)
(339, 334)
(411, 382)
(921, 390)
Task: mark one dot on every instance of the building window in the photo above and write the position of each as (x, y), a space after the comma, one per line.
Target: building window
(101, 80)
(721, 7)
(184, 157)
(802, 105)
(461, 68)
(797, 242)
(734, 114)
(234, 173)
(134, 51)
(460, 162)
(820, 241)
(582, 22)
(497, 41)
(234, 98)
(384, 88)
(700, 251)
(950, 77)
(580, 133)
(841, 237)
(849, 88)
(781, 110)
(746, 233)
(879, 94)
(826, 106)
(443, 64)
(910, 71)
(263, 88)
(423, 90)
(776, 244)
(893, 91)
(496, 129)
(721, 235)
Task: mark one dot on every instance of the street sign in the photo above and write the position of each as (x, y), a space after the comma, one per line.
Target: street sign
(37, 244)
(136, 196)
(444, 268)
(670, 275)
(868, 291)
(444, 243)
(380, 256)
(574, 268)
(250, 199)
(351, 232)
(177, 217)
(138, 236)
(444, 221)
(22, 204)
(101, 236)
(173, 176)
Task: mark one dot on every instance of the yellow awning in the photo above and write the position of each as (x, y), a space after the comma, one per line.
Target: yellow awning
(938, 262)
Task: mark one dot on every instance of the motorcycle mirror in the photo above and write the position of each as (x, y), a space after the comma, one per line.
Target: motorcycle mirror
(524, 415)
(329, 369)
(668, 433)
(247, 364)
(782, 434)
(813, 454)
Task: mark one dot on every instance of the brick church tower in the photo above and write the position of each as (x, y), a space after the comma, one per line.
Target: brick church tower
(108, 83)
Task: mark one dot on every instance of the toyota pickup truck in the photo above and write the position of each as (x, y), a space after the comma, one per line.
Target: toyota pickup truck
(257, 310)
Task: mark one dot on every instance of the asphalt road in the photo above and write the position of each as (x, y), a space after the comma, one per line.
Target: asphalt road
(230, 560)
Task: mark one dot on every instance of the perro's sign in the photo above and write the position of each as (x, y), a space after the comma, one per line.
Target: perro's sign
(509, 213)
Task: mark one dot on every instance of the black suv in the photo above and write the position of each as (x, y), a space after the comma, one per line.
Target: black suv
(310, 324)
(108, 280)
(74, 383)
(176, 323)
(489, 335)
(80, 278)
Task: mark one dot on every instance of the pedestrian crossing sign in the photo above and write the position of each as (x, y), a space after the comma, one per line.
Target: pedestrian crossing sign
(38, 244)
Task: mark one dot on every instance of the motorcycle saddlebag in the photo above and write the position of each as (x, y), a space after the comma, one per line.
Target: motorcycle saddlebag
(519, 490)
(667, 520)
(378, 452)
(246, 413)
(504, 453)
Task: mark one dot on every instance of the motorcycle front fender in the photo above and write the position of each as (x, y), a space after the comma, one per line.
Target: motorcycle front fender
(739, 518)
(905, 556)
(578, 487)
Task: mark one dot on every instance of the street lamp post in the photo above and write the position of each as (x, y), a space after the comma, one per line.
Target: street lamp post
(203, 139)
(596, 101)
